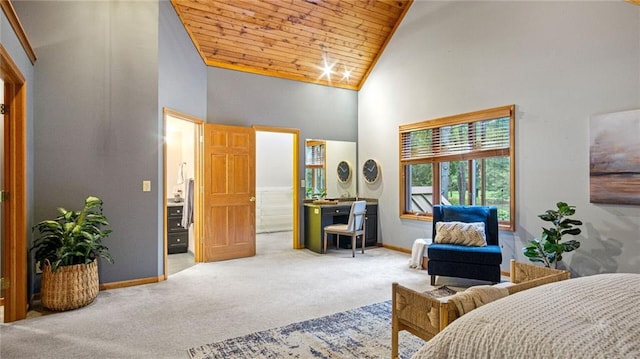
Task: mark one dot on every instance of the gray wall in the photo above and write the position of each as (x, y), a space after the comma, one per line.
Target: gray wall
(104, 72)
(238, 98)
(559, 62)
(181, 71)
(96, 120)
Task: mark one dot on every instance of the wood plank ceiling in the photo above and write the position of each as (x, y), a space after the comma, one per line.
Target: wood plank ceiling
(293, 39)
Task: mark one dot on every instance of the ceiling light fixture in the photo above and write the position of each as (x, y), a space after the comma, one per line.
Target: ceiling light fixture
(346, 74)
(327, 69)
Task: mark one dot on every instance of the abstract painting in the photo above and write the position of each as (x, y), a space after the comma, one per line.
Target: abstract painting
(614, 156)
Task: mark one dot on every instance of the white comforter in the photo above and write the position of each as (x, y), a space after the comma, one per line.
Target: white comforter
(587, 317)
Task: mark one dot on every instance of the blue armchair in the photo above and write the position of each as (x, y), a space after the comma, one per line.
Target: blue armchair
(452, 260)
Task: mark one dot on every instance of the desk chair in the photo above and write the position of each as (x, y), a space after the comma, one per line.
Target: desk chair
(355, 227)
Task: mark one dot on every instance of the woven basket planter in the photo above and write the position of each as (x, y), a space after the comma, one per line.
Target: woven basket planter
(69, 287)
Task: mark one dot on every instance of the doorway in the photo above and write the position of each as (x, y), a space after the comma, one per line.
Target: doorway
(182, 176)
(186, 162)
(277, 192)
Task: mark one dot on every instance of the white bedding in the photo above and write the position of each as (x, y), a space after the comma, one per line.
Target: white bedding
(588, 317)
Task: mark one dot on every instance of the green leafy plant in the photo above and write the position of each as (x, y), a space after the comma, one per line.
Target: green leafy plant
(74, 237)
(320, 194)
(549, 248)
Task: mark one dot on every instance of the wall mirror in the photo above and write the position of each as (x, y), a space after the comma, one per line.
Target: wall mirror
(330, 169)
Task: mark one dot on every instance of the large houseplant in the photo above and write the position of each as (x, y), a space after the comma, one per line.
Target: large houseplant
(549, 248)
(66, 249)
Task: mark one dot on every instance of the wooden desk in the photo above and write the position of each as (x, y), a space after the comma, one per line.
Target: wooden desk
(317, 216)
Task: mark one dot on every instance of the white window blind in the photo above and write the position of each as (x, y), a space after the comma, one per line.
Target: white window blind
(315, 155)
(458, 140)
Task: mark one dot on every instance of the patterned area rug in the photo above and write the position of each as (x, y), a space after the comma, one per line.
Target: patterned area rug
(363, 332)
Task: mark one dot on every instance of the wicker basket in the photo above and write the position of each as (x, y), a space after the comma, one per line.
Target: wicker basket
(69, 287)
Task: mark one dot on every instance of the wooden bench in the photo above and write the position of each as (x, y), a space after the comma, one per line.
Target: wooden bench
(425, 316)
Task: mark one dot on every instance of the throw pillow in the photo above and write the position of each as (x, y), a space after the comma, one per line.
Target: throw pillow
(462, 233)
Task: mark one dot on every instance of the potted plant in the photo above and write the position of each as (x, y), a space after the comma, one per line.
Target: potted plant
(66, 249)
(549, 248)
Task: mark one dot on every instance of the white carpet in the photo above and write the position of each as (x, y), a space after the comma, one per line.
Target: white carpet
(210, 302)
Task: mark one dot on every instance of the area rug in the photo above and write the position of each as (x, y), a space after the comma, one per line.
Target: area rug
(363, 332)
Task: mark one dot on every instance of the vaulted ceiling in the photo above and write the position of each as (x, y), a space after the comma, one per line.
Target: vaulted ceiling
(328, 42)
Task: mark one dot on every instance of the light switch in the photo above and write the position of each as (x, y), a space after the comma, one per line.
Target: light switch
(303, 183)
(146, 186)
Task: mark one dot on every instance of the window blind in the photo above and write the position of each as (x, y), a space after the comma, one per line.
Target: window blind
(315, 155)
(456, 139)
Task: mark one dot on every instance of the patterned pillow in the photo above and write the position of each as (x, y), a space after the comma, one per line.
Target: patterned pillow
(462, 233)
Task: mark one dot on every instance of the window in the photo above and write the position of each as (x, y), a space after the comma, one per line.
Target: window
(465, 159)
(315, 169)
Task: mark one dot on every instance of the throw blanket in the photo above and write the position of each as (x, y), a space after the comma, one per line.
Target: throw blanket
(593, 317)
(417, 252)
(475, 297)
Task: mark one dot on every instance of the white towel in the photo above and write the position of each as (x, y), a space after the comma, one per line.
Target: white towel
(187, 207)
(417, 252)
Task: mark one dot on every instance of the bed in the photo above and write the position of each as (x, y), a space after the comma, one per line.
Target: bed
(425, 316)
(587, 317)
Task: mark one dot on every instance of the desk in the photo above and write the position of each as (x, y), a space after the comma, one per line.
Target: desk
(317, 216)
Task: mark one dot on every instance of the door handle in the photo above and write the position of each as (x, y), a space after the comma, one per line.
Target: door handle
(252, 199)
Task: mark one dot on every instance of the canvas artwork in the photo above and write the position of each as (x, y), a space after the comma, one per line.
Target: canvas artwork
(614, 168)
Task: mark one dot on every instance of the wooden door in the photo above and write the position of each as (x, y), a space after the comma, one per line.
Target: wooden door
(229, 192)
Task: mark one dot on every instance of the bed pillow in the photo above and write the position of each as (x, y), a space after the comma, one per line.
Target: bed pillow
(461, 233)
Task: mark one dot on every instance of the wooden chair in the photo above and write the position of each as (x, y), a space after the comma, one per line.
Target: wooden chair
(354, 228)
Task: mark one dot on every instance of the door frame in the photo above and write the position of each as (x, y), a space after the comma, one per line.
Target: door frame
(14, 262)
(197, 186)
(296, 189)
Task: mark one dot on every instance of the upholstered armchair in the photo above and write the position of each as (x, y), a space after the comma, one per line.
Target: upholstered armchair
(475, 261)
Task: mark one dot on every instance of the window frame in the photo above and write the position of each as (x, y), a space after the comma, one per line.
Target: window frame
(316, 165)
(475, 154)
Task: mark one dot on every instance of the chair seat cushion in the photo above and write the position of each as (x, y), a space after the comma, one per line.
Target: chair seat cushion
(488, 255)
(338, 228)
